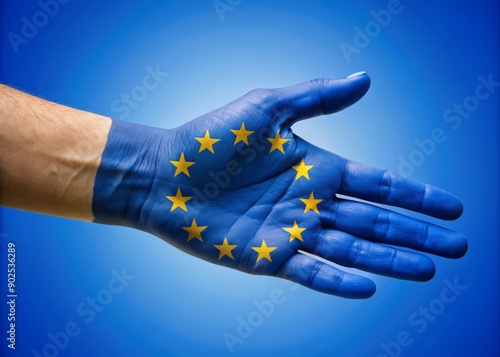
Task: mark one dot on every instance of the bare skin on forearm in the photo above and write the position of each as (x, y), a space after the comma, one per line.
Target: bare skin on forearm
(49, 155)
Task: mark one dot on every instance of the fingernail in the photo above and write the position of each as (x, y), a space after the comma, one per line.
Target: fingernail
(357, 74)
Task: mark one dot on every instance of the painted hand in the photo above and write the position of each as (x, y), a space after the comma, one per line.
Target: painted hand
(236, 187)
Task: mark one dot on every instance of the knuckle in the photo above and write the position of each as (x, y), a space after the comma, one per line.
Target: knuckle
(356, 250)
(386, 186)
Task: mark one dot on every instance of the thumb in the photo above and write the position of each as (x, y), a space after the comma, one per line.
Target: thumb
(321, 96)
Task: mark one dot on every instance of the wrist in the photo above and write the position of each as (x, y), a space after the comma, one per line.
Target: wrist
(127, 173)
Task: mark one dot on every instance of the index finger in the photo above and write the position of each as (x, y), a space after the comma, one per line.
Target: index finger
(387, 187)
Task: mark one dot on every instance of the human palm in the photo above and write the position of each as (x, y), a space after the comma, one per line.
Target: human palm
(236, 187)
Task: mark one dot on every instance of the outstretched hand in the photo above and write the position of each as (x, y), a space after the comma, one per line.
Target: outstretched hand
(236, 187)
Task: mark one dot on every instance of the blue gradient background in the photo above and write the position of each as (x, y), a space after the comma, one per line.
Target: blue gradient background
(428, 58)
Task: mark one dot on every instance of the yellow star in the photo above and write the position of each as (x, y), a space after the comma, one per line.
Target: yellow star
(295, 232)
(242, 134)
(179, 201)
(277, 142)
(207, 142)
(195, 231)
(311, 203)
(302, 170)
(182, 165)
(225, 249)
(264, 251)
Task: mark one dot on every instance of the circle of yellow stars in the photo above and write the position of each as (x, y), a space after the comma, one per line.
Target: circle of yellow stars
(225, 249)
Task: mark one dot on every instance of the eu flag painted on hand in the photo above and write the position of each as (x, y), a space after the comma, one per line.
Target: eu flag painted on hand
(236, 187)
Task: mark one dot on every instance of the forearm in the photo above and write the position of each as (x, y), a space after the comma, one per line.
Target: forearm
(49, 155)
